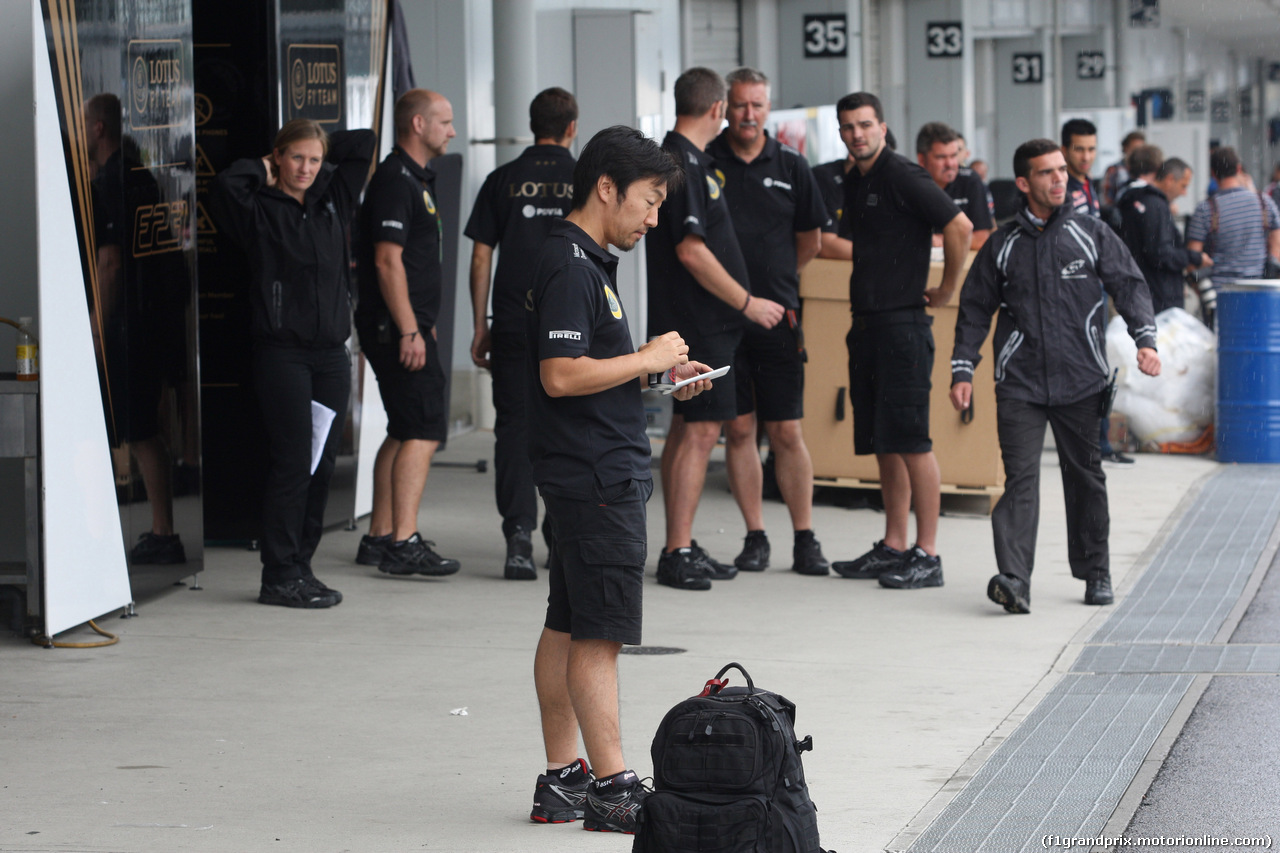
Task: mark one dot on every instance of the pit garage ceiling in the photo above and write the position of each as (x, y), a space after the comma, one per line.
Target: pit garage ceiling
(1250, 27)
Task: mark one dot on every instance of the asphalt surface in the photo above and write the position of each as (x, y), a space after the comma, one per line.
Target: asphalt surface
(1220, 782)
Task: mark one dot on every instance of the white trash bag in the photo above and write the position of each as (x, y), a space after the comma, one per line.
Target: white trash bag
(1177, 405)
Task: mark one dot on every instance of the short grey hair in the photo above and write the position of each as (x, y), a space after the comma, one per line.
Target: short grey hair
(747, 77)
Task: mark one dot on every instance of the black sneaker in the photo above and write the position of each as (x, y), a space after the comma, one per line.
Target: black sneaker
(755, 552)
(615, 804)
(806, 555)
(715, 569)
(1115, 457)
(870, 565)
(1010, 592)
(682, 569)
(298, 592)
(158, 550)
(372, 549)
(414, 556)
(917, 570)
(1097, 589)
(320, 587)
(519, 564)
(561, 796)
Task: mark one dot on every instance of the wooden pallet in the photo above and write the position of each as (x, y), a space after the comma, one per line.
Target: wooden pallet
(992, 493)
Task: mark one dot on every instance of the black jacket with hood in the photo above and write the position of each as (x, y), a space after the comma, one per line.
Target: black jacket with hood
(1147, 229)
(1047, 283)
(300, 286)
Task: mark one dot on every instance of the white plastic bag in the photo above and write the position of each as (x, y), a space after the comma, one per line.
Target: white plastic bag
(1177, 405)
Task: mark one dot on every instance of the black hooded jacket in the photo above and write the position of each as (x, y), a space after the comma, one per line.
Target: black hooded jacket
(300, 290)
(1047, 283)
(1147, 229)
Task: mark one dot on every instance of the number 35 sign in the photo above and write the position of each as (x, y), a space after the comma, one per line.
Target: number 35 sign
(825, 36)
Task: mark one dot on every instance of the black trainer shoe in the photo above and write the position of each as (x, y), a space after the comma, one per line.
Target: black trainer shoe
(372, 549)
(1010, 592)
(682, 569)
(297, 592)
(414, 556)
(1115, 457)
(916, 571)
(320, 586)
(519, 564)
(158, 550)
(806, 555)
(755, 552)
(870, 565)
(615, 804)
(1097, 589)
(561, 796)
(715, 569)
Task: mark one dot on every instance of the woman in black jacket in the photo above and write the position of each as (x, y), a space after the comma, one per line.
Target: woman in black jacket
(290, 212)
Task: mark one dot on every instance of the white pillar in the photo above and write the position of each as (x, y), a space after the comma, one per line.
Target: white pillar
(515, 74)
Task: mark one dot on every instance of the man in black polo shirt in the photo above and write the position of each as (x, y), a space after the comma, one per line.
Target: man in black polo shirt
(777, 213)
(830, 180)
(698, 284)
(938, 151)
(892, 207)
(398, 256)
(514, 211)
(591, 463)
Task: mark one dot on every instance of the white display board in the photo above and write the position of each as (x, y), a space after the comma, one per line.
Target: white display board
(85, 573)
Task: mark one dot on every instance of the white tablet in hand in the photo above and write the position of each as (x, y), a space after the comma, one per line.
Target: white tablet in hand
(712, 374)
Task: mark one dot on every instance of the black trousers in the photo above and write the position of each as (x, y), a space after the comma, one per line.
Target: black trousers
(1015, 520)
(514, 488)
(286, 380)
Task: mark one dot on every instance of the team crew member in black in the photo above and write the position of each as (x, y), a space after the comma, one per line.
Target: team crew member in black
(830, 177)
(777, 213)
(591, 463)
(398, 257)
(290, 212)
(1148, 228)
(938, 151)
(891, 210)
(1080, 148)
(516, 208)
(698, 284)
(1044, 273)
(138, 301)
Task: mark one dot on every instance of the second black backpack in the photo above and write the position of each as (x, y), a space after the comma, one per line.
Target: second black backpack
(727, 776)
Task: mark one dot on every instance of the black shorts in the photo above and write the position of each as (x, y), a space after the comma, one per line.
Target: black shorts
(768, 371)
(720, 403)
(890, 362)
(597, 563)
(414, 399)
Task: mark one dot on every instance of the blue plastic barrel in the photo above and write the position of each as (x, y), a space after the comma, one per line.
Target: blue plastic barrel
(1248, 410)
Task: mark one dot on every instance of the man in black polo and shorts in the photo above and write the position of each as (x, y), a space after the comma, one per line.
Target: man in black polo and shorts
(891, 210)
(514, 212)
(777, 212)
(590, 459)
(698, 284)
(938, 151)
(398, 255)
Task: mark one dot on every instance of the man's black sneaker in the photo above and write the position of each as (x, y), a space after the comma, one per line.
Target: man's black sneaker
(298, 592)
(916, 571)
(615, 804)
(561, 796)
(682, 569)
(870, 565)
(158, 550)
(806, 555)
(1010, 592)
(372, 549)
(414, 556)
(1097, 589)
(755, 552)
(1115, 457)
(519, 564)
(715, 569)
(320, 586)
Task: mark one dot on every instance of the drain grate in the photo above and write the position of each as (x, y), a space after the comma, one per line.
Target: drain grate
(1215, 659)
(652, 650)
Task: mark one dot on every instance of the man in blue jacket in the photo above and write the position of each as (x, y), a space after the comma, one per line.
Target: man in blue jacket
(1045, 272)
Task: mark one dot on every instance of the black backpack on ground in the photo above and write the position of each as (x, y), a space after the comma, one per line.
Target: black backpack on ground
(727, 776)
